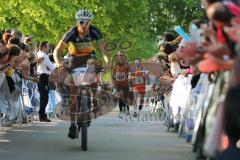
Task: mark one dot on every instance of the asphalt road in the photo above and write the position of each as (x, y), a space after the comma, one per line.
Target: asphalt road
(109, 138)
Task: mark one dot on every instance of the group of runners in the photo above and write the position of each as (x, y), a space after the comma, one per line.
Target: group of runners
(130, 82)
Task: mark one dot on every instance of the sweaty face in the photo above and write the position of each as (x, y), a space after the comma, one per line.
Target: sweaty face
(83, 25)
(121, 57)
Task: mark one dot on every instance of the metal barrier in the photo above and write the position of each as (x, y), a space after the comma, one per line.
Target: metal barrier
(11, 106)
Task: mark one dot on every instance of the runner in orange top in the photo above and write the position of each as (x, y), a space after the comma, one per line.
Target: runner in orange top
(120, 74)
(139, 78)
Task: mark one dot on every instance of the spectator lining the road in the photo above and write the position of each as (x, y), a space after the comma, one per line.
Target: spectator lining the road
(6, 37)
(232, 124)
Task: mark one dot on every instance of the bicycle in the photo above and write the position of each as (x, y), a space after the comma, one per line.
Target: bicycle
(88, 107)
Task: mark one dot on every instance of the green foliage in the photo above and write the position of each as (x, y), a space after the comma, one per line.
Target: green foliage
(107, 77)
(166, 14)
(140, 22)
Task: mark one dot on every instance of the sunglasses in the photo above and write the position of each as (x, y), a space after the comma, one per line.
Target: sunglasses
(84, 22)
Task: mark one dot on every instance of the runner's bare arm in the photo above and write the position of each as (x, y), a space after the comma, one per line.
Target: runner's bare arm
(58, 51)
(146, 74)
(113, 75)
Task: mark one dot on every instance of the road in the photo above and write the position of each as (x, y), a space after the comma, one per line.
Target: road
(109, 138)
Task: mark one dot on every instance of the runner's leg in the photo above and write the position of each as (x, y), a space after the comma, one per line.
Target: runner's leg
(142, 94)
(73, 109)
(125, 98)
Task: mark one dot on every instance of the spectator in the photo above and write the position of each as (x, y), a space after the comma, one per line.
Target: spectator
(44, 69)
(6, 37)
(232, 124)
(28, 41)
(16, 34)
(14, 40)
(168, 37)
(175, 66)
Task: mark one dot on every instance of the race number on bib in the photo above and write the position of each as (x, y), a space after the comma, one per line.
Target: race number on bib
(139, 80)
(120, 76)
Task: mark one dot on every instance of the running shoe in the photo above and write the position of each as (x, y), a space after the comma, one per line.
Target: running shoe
(120, 115)
(72, 132)
(135, 114)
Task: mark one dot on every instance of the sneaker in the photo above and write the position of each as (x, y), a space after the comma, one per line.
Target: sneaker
(72, 132)
(120, 115)
(135, 114)
(44, 120)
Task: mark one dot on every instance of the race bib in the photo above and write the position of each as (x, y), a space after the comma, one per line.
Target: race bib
(139, 80)
(120, 76)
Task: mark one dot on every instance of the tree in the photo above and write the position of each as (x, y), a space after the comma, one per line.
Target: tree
(166, 14)
(140, 22)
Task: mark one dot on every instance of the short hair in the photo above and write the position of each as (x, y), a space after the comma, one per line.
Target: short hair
(122, 51)
(138, 59)
(43, 44)
(221, 13)
(168, 37)
(23, 47)
(5, 52)
(14, 50)
(28, 39)
(6, 36)
(17, 33)
(168, 48)
(14, 40)
(162, 57)
(213, 1)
